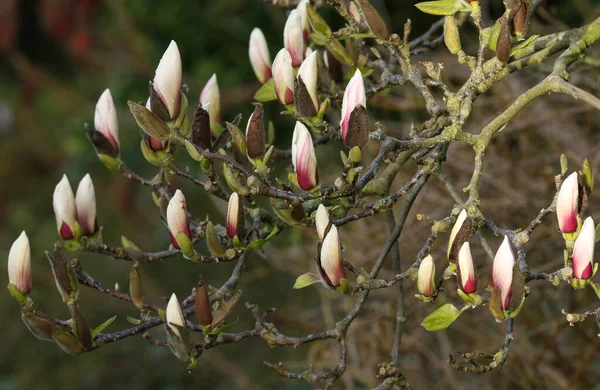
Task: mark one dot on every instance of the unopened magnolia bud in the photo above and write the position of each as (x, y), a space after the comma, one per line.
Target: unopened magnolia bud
(151, 124)
(201, 128)
(304, 158)
(305, 88)
(63, 202)
(459, 235)
(293, 37)
(255, 134)
(210, 98)
(283, 77)
(503, 43)
(167, 81)
(135, 287)
(304, 16)
(502, 271)
(260, 59)
(354, 122)
(105, 134)
(235, 216)
(451, 35)
(583, 251)
(330, 262)
(466, 270)
(174, 315)
(322, 222)
(567, 204)
(426, 277)
(41, 327)
(85, 202)
(177, 218)
(333, 66)
(203, 307)
(19, 264)
(521, 19)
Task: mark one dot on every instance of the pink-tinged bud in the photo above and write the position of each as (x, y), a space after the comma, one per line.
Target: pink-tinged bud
(167, 80)
(322, 221)
(426, 277)
(260, 58)
(85, 202)
(105, 119)
(307, 101)
(331, 263)
(583, 251)
(19, 264)
(293, 37)
(354, 120)
(466, 270)
(304, 158)
(174, 315)
(459, 234)
(235, 216)
(567, 204)
(210, 98)
(283, 77)
(304, 16)
(63, 202)
(502, 271)
(155, 143)
(177, 218)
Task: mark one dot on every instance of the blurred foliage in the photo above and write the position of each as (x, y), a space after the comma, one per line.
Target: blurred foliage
(57, 56)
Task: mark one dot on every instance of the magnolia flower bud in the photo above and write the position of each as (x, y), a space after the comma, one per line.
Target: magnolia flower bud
(466, 270)
(177, 218)
(502, 271)
(255, 134)
(211, 100)
(333, 66)
(331, 265)
(305, 88)
(235, 216)
(426, 277)
(201, 128)
(203, 307)
(63, 202)
(260, 59)
(322, 222)
(304, 16)
(567, 204)
(105, 122)
(283, 77)
(167, 80)
(304, 158)
(458, 235)
(85, 202)
(174, 315)
(503, 42)
(293, 37)
(521, 19)
(583, 251)
(19, 264)
(354, 122)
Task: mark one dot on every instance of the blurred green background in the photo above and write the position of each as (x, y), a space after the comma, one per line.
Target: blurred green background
(56, 58)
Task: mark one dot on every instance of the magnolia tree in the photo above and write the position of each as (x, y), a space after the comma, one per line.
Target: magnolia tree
(322, 80)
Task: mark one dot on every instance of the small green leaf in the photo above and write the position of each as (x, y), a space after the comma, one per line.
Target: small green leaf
(316, 21)
(258, 243)
(338, 51)
(523, 45)
(441, 318)
(564, 164)
(266, 93)
(440, 7)
(318, 39)
(134, 321)
(306, 280)
(223, 328)
(103, 326)
(494, 37)
(587, 173)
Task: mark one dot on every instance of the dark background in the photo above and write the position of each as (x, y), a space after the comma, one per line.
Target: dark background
(56, 58)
